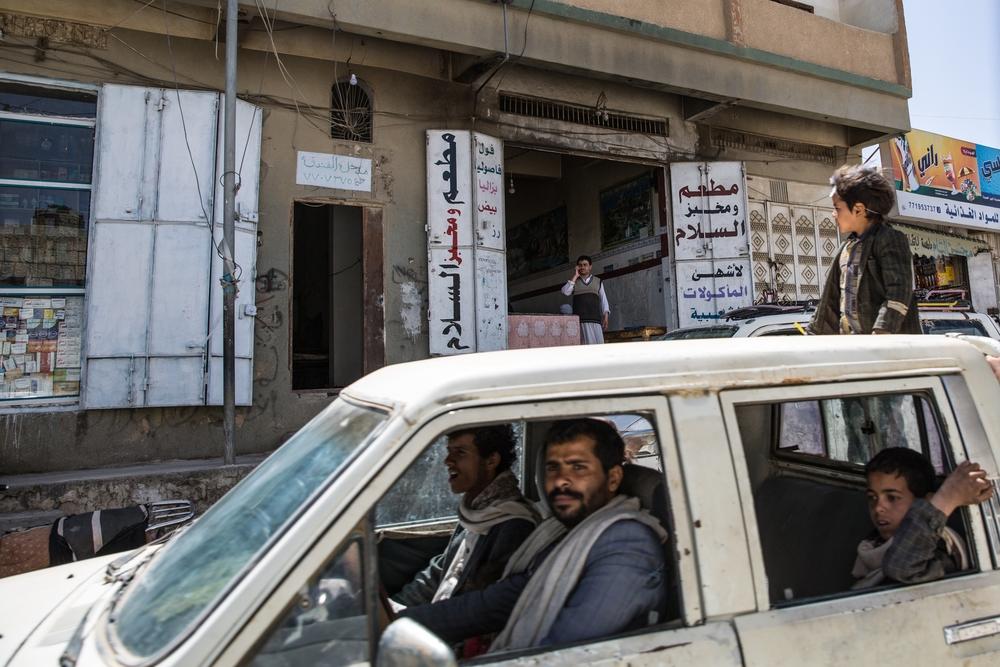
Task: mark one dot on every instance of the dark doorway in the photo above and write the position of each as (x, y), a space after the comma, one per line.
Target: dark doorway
(327, 296)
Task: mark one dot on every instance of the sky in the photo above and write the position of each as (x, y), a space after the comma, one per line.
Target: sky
(954, 66)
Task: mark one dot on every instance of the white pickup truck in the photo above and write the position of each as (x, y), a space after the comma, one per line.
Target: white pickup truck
(757, 444)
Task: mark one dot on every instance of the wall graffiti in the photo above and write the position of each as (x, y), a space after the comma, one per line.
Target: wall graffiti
(412, 298)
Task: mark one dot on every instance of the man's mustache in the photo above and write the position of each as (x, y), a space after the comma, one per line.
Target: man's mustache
(570, 494)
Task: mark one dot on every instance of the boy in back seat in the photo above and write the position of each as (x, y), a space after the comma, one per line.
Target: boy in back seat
(911, 543)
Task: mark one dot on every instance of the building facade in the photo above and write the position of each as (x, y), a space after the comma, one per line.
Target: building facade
(110, 197)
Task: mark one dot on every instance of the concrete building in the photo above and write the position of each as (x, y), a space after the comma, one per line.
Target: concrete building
(108, 276)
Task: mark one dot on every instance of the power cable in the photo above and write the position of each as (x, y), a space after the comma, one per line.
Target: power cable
(194, 167)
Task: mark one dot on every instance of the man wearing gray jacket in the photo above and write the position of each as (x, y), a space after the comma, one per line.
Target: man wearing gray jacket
(593, 569)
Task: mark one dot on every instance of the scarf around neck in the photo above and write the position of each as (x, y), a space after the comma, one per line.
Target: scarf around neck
(552, 583)
(871, 552)
(500, 501)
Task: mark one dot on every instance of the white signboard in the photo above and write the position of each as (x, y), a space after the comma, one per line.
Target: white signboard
(710, 210)
(491, 299)
(488, 191)
(451, 292)
(340, 172)
(710, 240)
(467, 270)
(449, 188)
(912, 206)
(707, 289)
(452, 309)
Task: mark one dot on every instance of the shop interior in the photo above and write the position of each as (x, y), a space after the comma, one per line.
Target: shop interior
(560, 206)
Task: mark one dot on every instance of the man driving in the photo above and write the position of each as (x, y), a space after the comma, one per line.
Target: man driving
(594, 568)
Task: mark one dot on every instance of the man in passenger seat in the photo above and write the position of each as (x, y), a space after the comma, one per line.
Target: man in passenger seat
(494, 518)
(593, 569)
(911, 543)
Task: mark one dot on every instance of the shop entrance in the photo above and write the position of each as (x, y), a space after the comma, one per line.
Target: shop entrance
(560, 206)
(327, 304)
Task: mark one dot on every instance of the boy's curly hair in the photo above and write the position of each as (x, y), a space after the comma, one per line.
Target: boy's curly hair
(857, 184)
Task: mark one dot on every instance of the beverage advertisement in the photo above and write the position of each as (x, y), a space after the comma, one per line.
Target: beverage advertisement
(947, 180)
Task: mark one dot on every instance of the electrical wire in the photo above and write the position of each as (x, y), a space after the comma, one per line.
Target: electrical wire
(238, 270)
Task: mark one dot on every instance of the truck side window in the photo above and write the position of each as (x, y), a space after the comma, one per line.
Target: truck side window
(851, 430)
(326, 624)
(806, 465)
(422, 494)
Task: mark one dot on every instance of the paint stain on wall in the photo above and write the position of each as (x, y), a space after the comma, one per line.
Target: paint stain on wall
(411, 301)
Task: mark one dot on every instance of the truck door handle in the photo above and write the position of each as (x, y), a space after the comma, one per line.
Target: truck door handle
(963, 632)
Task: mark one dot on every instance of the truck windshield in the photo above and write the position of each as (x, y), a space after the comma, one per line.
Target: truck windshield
(192, 573)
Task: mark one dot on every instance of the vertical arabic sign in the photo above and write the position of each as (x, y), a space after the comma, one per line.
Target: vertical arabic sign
(490, 259)
(450, 260)
(466, 250)
(710, 240)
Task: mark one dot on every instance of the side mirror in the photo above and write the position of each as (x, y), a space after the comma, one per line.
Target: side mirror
(406, 643)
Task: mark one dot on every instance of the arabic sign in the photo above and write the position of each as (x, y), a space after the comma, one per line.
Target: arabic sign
(327, 170)
(488, 191)
(467, 267)
(707, 290)
(449, 238)
(710, 240)
(491, 300)
(946, 180)
(451, 303)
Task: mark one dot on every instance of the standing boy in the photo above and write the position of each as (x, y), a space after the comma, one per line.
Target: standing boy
(589, 301)
(911, 542)
(869, 289)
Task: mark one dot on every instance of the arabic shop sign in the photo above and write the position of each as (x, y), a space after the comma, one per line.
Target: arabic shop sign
(490, 246)
(946, 180)
(467, 281)
(710, 241)
(341, 172)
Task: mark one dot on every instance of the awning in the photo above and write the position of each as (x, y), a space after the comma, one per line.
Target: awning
(936, 244)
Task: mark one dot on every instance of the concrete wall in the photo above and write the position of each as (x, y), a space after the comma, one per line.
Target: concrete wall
(703, 17)
(791, 32)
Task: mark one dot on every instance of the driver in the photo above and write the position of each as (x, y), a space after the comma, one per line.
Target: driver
(594, 568)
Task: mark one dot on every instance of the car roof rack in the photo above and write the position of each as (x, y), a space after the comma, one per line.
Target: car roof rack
(762, 309)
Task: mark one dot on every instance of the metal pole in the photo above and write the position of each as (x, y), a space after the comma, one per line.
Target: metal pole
(228, 234)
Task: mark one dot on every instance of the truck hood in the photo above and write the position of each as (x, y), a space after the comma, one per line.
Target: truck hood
(45, 607)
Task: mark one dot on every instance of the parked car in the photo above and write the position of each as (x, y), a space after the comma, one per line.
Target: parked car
(770, 320)
(758, 447)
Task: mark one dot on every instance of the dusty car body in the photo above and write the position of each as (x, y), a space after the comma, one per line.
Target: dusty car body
(759, 443)
(793, 321)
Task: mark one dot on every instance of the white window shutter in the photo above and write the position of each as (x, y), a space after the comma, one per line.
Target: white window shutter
(150, 253)
(248, 138)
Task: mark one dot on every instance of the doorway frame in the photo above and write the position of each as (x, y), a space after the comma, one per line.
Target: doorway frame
(372, 285)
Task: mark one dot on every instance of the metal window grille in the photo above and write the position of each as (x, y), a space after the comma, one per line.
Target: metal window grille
(582, 115)
(350, 113)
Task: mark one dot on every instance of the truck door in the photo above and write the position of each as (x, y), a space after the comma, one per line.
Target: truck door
(800, 452)
(677, 636)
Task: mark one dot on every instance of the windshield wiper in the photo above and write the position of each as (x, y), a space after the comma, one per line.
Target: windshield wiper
(115, 570)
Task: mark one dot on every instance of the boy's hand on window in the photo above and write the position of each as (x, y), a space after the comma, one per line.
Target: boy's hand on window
(966, 485)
